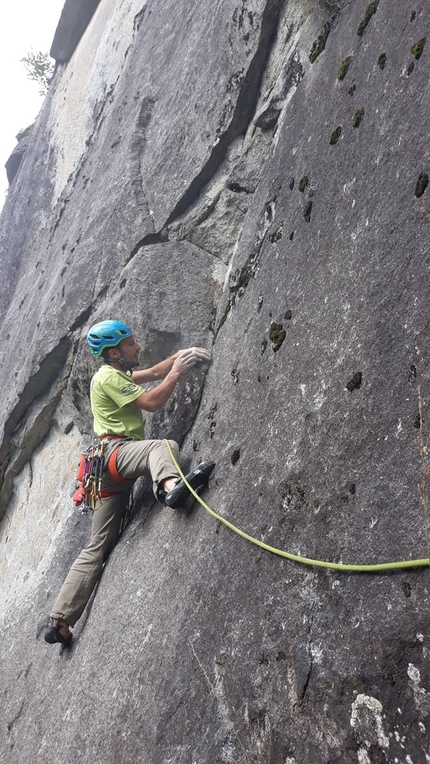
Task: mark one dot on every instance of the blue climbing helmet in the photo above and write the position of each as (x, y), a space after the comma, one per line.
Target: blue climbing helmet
(106, 334)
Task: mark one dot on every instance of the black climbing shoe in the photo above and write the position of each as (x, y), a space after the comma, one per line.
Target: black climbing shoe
(198, 478)
(54, 635)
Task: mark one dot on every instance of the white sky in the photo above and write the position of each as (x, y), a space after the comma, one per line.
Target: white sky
(24, 25)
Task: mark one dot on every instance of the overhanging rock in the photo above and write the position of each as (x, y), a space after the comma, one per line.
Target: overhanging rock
(74, 19)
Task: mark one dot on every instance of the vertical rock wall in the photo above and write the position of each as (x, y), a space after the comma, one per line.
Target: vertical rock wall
(253, 177)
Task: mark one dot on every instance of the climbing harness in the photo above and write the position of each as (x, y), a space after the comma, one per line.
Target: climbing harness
(93, 464)
(377, 568)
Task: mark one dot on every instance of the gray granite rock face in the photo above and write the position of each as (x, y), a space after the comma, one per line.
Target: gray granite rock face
(195, 174)
(74, 19)
(15, 159)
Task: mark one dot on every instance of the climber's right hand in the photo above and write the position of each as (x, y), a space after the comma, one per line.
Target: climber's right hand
(184, 362)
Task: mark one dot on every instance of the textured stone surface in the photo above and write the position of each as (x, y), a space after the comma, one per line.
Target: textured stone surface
(74, 19)
(183, 176)
(15, 159)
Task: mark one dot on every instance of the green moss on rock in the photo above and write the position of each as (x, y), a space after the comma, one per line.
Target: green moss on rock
(335, 135)
(344, 68)
(358, 116)
(369, 12)
(277, 335)
(303, 183)
(417, 48)
(382, 60)
(320, 43)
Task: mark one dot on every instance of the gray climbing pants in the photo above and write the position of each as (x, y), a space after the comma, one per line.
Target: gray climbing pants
(135, 458)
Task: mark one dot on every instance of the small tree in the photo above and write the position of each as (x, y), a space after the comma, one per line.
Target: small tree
(40, 68)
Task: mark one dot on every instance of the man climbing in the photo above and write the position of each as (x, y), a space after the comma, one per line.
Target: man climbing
(117, 401)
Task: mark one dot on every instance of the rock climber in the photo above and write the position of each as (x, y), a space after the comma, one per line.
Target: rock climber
(117, 401)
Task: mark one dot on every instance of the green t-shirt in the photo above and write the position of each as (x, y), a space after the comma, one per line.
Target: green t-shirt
(112, 393)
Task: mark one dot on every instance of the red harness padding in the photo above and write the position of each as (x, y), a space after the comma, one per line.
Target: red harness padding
(111, 468)
(79, 494)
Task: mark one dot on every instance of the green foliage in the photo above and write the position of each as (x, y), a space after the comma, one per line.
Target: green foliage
(335, 135)
(319, 44)
(344, 68)
(369, 12)
(277, 335)
(40, 68)
(382, 60)
(303, 183)
(358, 116)
(417, 49)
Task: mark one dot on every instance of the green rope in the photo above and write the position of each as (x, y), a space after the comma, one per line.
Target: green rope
(295, 557)
(424, 470)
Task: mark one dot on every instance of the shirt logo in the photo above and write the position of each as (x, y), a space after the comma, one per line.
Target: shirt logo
(130, 388)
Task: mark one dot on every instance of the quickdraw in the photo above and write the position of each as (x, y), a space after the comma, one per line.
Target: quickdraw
(90, 477)
(93, 464)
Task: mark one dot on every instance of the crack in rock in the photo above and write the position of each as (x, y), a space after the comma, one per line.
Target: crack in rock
(245, 108)
(15, 451)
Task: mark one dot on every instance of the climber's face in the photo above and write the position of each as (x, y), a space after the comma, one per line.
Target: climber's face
(130, 350)
(127, 349)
